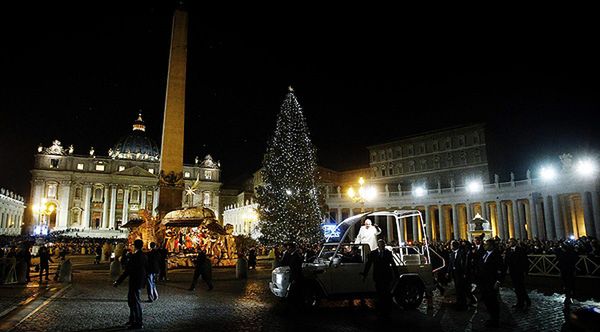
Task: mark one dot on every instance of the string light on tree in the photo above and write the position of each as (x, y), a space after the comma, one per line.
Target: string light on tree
(290, 203)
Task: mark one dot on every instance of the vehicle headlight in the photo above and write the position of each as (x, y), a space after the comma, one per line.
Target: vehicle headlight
(279, 278)
(279, 275)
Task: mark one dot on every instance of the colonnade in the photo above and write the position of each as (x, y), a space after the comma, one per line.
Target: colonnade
(511, 211)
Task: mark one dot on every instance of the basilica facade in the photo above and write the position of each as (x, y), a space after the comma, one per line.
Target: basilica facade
(95, 192)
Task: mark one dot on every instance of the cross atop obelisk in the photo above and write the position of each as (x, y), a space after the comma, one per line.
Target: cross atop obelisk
(171, 159)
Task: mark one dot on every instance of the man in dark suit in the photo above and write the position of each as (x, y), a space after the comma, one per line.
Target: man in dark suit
(44, 262)
(490, 273)
(136, 271)
(293, 258)
(164, 256)
(457, 270)
(567, 264)
(153, 269)
(203, 268)
(517, 264)
(384, 273)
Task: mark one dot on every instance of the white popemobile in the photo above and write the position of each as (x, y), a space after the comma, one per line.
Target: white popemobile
(336, 271)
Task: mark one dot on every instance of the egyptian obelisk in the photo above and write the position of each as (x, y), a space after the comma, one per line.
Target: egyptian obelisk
(171, 160)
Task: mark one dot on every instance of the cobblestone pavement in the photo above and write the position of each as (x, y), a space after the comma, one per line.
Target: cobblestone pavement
(91, 303)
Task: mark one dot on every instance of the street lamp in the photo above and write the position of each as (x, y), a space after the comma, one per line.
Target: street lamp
(364, 193)
(474, 186)
(548, 173)
(42, 210)
(419, 191)
(585, 167)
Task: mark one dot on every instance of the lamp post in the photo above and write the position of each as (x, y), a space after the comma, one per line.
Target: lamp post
(364, 193)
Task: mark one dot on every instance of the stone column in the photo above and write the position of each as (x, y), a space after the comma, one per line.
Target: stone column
(548, 218)
(37, 195)
(415, 228)
(504, 219)
(428, 224)
(5, 219)
(468, 215)
(125, 206)
(516, 221)
(339, 215)
(532, 220)
(559, 226)
(539, 211)
(484, 211)
(113, 206)
(524, 233)
(105, 217)
(64, 196)
(442, 223)
(155, 202)
(87, 192)
(143, 199)
(390, 227)
(499, 223)
(455, 222)
(587, 214)
(596, 208)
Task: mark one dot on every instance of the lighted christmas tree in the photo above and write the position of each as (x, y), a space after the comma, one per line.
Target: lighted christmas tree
(290, 201)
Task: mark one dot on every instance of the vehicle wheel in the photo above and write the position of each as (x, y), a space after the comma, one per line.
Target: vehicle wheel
(409, 294)
(310, 297)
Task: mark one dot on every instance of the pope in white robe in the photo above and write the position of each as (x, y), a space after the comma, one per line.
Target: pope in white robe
(368, 234)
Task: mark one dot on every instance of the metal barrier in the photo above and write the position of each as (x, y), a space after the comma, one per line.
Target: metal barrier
(547, 265)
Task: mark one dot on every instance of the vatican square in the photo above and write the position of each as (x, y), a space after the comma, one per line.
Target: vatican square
(169, 167)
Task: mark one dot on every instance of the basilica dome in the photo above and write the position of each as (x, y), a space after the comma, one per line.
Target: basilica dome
(136, 145)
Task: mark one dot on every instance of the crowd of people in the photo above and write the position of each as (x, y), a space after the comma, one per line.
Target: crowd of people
(18, 252)
(476, 268)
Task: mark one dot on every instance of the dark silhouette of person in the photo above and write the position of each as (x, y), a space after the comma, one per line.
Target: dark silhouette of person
(517, 264)
(27, 261)
(293, 259)
(457, 270)
(204, 269)
(63, 253)
(136, 271)
(44, 262)
(98, 252)
(490, 274)
(384, 273)
(252, 259)
(567, 261)
(164, 255)
(153, 269)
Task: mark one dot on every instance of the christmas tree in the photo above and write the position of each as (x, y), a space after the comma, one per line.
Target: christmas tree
(291, 206)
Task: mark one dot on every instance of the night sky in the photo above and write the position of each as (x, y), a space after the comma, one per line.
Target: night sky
(80, 75)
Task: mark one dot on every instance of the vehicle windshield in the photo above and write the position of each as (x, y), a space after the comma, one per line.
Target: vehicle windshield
(327, 252)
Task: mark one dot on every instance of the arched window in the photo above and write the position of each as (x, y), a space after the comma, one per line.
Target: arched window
(206, 198)
(135, 196)
(98, 194)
